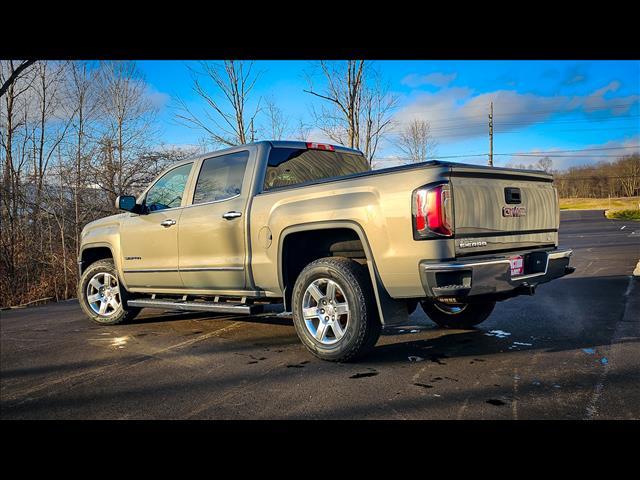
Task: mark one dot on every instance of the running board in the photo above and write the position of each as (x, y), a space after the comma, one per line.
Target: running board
(216, 307)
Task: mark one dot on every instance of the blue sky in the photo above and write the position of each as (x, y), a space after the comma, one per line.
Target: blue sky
(539, 106)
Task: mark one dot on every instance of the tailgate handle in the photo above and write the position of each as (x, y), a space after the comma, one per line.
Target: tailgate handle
(512, 195)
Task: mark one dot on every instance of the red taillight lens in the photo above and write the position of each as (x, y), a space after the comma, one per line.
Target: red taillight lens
(421, 210)
(432, 212)
(320, 146)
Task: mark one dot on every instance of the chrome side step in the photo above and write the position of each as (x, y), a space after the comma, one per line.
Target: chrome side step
(191, 306)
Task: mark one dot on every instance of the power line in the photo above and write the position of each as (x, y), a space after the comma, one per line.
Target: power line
(577, 109)
(478, 131)
(582, 149)
(479, 122)
(583, 120)
(560, 156)
(607, 129)
(550, 153)
(542, 111)
(510, 132)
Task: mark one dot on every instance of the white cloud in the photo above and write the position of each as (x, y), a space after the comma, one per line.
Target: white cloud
(455, 113)
(437, 79)
(157, 98)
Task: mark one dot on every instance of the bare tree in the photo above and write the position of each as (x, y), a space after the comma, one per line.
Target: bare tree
(545, 164)
(225, 120)
(629, 169)
(82, 109)
(72, 136)
(14, 74)
(50, 126)
(302, 131)
(378, 105)
(358, 105)
(340, 119)
(416, 142)
(14, 138)
(128, 116)
(278, 125)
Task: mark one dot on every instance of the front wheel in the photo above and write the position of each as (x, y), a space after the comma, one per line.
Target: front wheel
(459, 315)
(334, 309)
(102, 298)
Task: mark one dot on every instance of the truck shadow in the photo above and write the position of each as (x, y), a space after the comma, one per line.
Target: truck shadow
(573, 313)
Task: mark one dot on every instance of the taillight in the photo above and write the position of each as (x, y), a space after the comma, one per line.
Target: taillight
(432, 213)
(320, 146)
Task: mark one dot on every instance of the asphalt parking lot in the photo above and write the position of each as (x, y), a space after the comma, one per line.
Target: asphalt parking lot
(571, 351)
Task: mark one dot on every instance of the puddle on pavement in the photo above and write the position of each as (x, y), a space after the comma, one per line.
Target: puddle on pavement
(423, 385)
(298, 365)
(116, 342)
(497, 334)
(476, 360)
(119, 342)
(371, 373)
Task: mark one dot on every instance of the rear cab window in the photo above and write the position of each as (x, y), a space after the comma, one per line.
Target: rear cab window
(296, 166)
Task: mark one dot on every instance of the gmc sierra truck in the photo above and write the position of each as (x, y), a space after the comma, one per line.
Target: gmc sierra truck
(310, 226)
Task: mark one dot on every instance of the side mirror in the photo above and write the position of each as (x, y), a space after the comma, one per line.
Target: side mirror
(127, 203)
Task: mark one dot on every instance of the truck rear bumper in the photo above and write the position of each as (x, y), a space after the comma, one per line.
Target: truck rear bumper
(491, 276)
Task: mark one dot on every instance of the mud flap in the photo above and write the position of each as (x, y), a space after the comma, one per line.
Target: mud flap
(391, 311)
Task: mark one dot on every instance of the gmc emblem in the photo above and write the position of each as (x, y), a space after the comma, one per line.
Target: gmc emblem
(514, 211)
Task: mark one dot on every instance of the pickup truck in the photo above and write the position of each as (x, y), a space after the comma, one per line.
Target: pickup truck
(311, 227)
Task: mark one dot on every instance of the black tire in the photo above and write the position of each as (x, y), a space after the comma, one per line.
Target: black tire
(363, 327)
(122, 313)
(445, 316)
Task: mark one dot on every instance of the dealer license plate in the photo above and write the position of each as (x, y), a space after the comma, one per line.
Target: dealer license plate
(517, 266)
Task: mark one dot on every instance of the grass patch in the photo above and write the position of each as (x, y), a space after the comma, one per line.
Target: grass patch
(614, 204)
(628, 214)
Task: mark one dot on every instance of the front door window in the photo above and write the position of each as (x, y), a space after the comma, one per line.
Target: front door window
(167, 192)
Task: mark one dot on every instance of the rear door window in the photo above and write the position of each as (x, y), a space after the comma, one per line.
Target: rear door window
(221, 177)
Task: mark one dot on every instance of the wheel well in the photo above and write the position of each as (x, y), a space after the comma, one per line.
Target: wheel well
(91, 255)
(301, 248)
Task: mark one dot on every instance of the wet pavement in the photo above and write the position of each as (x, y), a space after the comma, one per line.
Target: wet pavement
(571, 351)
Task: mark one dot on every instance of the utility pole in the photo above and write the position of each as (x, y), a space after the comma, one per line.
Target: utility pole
(491, 135)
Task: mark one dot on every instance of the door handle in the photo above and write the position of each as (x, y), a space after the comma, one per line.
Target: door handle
(231, 215)
(168, 223)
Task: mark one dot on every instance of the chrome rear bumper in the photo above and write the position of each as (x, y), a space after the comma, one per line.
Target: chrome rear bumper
(492, 275)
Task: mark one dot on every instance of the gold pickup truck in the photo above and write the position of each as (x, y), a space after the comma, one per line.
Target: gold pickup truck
(310, 226)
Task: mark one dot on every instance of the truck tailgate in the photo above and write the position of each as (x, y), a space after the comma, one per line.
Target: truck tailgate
(498, 209)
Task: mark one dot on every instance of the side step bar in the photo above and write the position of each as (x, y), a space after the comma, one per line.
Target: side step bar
(216, 307)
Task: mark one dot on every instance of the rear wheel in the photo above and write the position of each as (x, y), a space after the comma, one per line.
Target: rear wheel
(102, 298)
(334, 310)
(458, 315)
